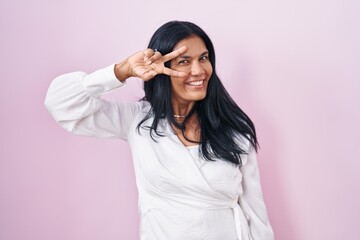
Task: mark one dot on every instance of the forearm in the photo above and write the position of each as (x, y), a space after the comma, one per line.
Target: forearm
(74, 100)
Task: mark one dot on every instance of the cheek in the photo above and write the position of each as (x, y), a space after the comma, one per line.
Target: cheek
(209, 70)
(177, 84)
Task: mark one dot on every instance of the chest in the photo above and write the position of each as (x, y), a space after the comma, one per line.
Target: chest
(168, 165)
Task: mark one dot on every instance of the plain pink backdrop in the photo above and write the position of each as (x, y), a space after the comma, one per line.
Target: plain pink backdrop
(293, 66)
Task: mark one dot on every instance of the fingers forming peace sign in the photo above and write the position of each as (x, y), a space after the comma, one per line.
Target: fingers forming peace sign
(149, 63)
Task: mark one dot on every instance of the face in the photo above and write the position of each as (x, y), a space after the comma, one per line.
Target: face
(195, 61)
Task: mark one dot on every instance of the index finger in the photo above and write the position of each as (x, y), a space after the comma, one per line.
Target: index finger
(174, 54)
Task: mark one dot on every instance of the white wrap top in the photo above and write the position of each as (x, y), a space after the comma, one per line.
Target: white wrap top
(181, 195)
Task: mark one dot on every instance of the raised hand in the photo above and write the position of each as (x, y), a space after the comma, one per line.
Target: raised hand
(147, 64)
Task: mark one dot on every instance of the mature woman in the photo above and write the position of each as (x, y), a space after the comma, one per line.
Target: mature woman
(194, 149)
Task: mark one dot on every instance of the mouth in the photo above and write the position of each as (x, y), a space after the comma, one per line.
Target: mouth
(198, 83)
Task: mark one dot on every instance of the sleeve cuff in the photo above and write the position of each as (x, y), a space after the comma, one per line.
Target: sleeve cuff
(101, 81)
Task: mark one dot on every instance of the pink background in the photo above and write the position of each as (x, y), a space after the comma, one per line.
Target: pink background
(293, 66)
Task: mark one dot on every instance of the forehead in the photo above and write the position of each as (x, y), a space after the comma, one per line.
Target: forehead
(194, 44)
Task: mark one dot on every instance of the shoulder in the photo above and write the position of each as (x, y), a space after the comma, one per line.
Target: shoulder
(142, 108)
(247, 146)
(145, 106)
(244, 143)
(136, 106)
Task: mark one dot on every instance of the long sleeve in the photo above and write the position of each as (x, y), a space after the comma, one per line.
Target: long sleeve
(74, 101)
(252, 202)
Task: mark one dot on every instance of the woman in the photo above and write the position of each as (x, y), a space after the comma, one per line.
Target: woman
(194, 149)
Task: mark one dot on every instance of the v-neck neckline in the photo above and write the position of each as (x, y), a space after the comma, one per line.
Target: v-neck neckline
(169, 131)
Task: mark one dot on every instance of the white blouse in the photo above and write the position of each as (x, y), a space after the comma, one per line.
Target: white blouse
(181, 195)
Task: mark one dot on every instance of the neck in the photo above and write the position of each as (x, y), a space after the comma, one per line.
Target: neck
(182, 110)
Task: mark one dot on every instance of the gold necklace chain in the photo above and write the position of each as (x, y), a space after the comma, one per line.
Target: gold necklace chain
(179, 116)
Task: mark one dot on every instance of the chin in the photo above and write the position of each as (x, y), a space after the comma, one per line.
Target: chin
(197, 97)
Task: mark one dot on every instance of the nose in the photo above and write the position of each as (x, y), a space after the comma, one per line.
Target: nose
(197, 68)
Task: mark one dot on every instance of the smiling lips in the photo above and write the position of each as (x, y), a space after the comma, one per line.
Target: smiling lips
(195, 83)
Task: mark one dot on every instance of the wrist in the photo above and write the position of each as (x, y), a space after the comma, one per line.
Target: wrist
(121, 71)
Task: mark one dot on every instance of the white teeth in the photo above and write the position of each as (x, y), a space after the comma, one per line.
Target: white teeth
(196, 83)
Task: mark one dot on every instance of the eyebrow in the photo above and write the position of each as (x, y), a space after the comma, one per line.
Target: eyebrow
(187, 57)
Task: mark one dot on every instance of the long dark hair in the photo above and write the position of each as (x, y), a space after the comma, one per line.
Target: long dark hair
(222, 123)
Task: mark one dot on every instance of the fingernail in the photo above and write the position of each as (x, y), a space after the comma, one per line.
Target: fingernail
(146, 58)
(148, 62)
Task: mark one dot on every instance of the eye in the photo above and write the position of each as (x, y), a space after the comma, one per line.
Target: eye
(183, 62)
(204, 58)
